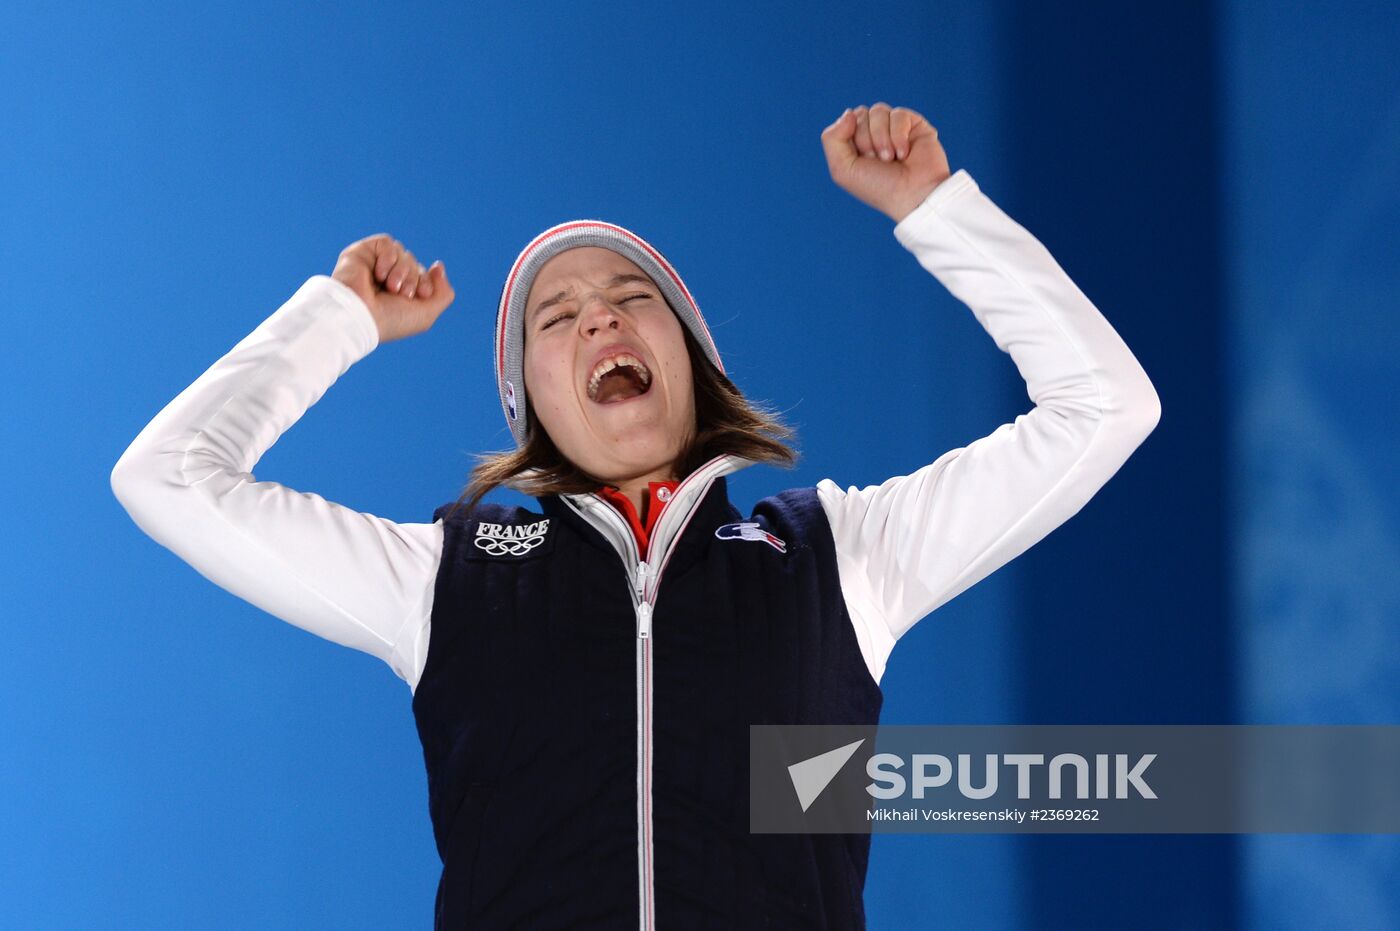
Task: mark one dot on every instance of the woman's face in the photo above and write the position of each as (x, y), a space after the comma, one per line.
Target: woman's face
(632, 421)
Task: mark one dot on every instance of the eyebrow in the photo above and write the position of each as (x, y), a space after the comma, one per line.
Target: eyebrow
(616, 280)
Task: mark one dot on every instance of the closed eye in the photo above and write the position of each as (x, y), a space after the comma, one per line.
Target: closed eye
(568, 313)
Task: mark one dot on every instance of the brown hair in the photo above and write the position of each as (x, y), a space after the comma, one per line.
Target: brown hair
(726, 423)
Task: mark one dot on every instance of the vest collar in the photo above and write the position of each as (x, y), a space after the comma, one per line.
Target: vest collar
(700, 504)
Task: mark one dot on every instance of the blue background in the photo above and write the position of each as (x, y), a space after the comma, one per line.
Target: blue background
(1220, 179)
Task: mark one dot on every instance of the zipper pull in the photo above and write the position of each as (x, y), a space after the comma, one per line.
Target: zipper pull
(644, 620)
(641, 585)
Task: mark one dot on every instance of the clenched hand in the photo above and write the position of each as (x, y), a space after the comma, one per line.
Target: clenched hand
(889, 158)
(404, 297)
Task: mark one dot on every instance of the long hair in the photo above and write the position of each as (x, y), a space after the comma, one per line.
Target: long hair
(725, 423)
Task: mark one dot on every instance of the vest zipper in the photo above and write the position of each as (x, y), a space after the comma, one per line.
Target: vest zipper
(643, 606)
(639, 572)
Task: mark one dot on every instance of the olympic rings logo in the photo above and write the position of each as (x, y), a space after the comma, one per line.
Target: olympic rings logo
(498, 547)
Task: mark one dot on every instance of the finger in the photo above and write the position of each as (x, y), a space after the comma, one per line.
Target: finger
(387, 252)
(425, 282)
(836, 139)
(393, 263)
(411, 268)
(919, 127)
(413, 278)
(901, 121)
(404, 269)
(863, 144)
(880, 130)
(374, 253)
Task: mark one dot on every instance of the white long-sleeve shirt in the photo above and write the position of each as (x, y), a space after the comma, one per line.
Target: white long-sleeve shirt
(904, 547)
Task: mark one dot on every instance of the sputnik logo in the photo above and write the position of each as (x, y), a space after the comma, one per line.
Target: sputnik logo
(811, 777)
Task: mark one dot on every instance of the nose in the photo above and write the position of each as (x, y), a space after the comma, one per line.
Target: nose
(597, 314)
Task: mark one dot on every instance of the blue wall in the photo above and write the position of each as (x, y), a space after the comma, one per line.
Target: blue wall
(1219, 179)
(1312, 143)
(1123, 617)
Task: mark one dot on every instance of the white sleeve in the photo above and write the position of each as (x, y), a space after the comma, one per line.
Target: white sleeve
(352, 578)
(911, 544)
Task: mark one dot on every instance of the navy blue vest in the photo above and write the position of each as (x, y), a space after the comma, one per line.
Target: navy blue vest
(527, 711)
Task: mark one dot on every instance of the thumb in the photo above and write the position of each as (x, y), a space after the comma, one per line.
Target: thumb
(437, 272)
(838, 141)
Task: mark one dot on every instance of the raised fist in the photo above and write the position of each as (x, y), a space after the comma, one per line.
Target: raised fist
(889, 158)
(404, 297)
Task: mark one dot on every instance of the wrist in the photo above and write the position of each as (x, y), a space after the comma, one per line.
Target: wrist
(909, 203)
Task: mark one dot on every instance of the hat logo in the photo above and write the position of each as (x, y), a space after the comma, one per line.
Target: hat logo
(510, 400)
(750, 530)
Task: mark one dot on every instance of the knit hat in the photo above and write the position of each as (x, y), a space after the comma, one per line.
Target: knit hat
(510, 316)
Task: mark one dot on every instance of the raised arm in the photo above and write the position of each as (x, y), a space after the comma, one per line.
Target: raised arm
(911, 544)
(349, 577)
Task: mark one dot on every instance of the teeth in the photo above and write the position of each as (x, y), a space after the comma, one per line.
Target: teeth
(612, 362)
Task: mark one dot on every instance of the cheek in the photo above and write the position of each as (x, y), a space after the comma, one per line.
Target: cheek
(540, 356)
(681, 375)
(675, 359)
(543, 382)
(680, 382)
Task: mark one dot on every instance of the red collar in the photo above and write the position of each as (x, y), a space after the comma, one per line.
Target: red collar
(658, 495)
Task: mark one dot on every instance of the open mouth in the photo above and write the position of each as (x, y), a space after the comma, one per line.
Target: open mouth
(617, 379)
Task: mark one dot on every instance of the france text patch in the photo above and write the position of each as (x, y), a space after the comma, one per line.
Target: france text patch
(511, 541)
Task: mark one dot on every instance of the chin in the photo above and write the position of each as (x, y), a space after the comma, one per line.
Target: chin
(641, 454)
(643, 459)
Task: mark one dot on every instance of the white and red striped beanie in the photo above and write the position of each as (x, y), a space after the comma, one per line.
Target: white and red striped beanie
(510, 316)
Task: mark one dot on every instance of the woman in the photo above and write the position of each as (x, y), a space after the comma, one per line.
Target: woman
(584, 673)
